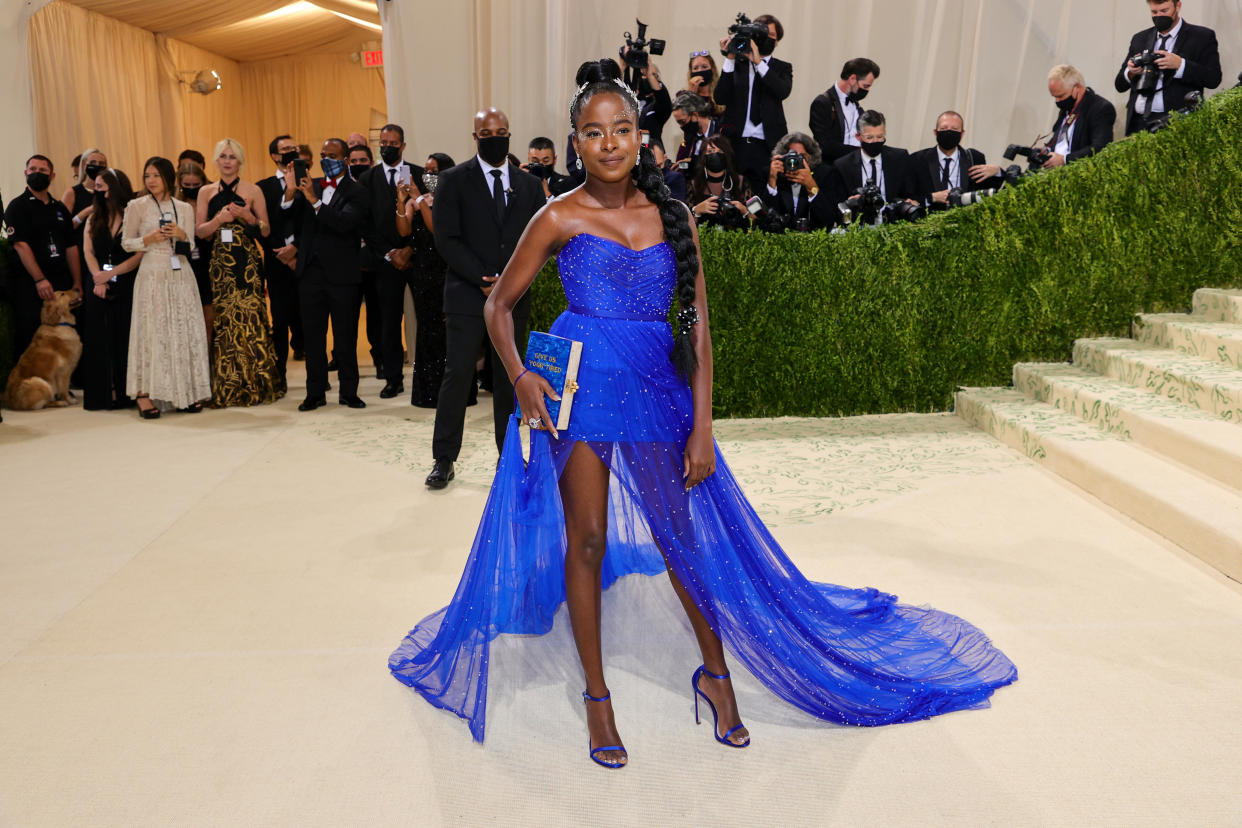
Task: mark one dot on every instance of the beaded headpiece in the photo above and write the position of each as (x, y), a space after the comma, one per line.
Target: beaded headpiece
(573, 102)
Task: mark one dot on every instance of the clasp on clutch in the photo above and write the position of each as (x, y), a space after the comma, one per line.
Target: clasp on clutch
(571, 387)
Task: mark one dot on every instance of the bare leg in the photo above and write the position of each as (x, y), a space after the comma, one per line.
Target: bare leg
(584, 494)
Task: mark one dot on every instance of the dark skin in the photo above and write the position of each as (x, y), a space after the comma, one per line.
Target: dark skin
(608, 205)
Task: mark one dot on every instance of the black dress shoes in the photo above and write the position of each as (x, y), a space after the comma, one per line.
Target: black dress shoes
(392, 389)
(311, 403)
(379, 371)
(441, 474)
(332, 364)
(352, 402)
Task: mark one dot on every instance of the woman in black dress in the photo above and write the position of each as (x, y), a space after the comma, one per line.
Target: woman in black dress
(108, 302)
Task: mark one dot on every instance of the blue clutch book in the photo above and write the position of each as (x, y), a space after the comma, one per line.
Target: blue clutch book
(556, 359)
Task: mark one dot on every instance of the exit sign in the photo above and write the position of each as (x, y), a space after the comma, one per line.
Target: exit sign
(375, 58)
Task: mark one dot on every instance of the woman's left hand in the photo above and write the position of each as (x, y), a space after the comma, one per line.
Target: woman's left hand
(700, 458)
(101, 290)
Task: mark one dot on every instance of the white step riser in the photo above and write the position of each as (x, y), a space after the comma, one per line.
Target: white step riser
(1209, 447)
(1209, 526)
(1191, 339)
(1222, 399)
(1218, 305)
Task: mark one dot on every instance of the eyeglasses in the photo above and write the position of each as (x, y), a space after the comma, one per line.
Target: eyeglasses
(703, 53)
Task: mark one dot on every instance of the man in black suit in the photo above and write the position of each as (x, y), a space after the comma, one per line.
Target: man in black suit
(329, 214)
(541, 163)
(874, 162)
(1189, 62)
(280, 257)
(834, 114)
(804, 193)
(950, 166)
(360, 162)
(1084, 124)
(753, 95)
(391, 255)
(481, 208)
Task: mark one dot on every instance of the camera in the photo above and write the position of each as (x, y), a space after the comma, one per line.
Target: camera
(957, 198)
(1149, 78)
(1036, 156)
(867, 203)
(1192, 102)
(742, 32)
(767, 219)
(538, 170)
(903, 211)
(793, 161)
(636, 50)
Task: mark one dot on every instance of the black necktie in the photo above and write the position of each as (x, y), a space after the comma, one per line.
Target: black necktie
(392, 178)
(874, 176)
(944, 178)
(1164, 42)
(754, 97)
(498, 195)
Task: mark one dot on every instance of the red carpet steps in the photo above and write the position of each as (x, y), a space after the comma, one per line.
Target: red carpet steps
(1152, 426)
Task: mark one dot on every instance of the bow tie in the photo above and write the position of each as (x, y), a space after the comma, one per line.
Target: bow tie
(328, 183)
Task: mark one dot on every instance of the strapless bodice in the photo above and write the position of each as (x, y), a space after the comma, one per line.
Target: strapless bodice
(606, 279)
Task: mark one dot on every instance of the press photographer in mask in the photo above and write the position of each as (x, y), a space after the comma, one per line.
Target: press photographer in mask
(949, 166)
(717, 192)
(1183, 57)
(834, 114)
(798, 184)
(1084, 124)
(752, 88)
(541, 163)
(693, 113)
(876, 163)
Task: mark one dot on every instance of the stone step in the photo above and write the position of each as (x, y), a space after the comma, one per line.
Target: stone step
(1186, 435)
(1218, 304)
(1201, 516)
(1208, 386)
(1212, 340)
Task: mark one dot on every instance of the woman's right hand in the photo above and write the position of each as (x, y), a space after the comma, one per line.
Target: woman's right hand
(694, 83)
(101, 291)
(532, 390)
(403, 195)
(708, 206)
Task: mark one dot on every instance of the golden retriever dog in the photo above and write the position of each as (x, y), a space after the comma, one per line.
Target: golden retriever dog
(41, 377)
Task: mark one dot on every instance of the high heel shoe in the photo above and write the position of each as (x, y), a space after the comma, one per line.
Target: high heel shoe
(724, 740)
(152, 413)
(586, 697)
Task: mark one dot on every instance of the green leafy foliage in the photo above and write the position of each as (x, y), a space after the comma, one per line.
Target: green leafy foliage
(894, 319)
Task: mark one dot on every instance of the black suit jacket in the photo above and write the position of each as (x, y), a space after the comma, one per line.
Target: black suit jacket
(828, 126)
(472, 239)
(899, 177)
(330, 236)
(733, 90)
(1196, 45)
(380, 232)
(1094, 130)
(280, 220)
(822, 211)
(928, 167)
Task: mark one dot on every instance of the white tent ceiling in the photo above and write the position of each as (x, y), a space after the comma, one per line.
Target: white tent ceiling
(252, 30)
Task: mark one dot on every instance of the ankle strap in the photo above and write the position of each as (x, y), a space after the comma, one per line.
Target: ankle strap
(709, 673)
(588, 697)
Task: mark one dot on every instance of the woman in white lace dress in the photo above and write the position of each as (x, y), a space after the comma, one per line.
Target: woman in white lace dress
(169, 364)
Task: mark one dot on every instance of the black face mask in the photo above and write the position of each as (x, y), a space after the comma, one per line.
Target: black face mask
(705, 74)
(1163, 22)
(948, 139)
(857, 95)
(690, 128)
(873, 149)
(1066, 104)
(100, 197)
(391, 155)
(766, 46)
(190, 194)
(93, 171)
(715, 163)
(494, 149)
(38, 181)
(356, 170)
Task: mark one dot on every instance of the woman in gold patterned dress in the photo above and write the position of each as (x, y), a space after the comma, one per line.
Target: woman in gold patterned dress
(243, 354)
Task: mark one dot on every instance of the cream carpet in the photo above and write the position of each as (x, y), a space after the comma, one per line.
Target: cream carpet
(196, 612)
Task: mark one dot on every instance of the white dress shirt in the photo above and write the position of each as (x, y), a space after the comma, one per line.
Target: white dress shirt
(1065, 139)
(750, 130)
(1157, 100)
(393, 173)
(879, 172)
(849, 112)
(955, 168)
(490, 179)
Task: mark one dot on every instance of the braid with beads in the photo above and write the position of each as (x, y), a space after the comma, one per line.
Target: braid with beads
(604, 75)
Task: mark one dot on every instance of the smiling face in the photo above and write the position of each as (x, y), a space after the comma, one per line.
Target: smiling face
(607, 137)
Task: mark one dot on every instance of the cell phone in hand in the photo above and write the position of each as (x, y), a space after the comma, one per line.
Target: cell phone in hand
(300, 170)
(403, 174)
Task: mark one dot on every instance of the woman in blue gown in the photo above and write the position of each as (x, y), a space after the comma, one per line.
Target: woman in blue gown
(636, 484)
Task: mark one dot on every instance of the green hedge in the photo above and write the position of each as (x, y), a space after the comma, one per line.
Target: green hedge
(894, 319)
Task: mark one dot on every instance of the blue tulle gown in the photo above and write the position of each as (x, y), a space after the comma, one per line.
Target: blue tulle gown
(852, 656)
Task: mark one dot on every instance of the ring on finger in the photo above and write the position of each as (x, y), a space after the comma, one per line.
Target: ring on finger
(535, 422)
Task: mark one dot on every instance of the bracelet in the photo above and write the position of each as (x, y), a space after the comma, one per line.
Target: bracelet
(41, 279)
(519, 376)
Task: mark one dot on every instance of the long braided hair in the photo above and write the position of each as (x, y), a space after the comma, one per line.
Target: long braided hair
(598, 76)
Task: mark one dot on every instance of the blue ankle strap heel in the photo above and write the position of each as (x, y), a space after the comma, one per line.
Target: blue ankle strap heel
(724, 740)
(586, 697)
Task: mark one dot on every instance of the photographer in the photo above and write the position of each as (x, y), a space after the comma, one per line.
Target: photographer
(950, 166)
(875, 163)
(752, 88)
(796, 178)
(1084, 124)
(541, 163)
(702, 77)
(693, 113)
(1165, 63)
(717, 193)
(673, 179)
(834, 114)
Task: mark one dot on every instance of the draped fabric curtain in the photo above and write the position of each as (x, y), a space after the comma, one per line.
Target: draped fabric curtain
(17, 123)
(98, 82)
(988, 59)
